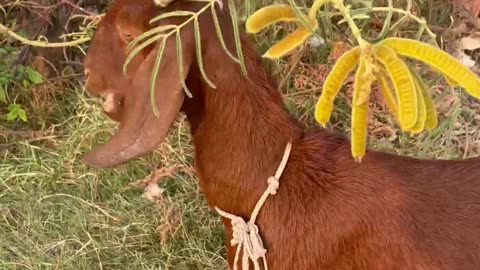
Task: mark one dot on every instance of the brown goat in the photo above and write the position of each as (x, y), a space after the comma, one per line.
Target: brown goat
(389, 212)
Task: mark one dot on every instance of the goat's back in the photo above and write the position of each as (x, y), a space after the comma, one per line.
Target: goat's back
(389, 212)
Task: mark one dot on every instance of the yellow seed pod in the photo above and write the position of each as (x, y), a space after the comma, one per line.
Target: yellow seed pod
(359, 116)
(431, 120)
(387, 94)
(403, 84)
(422, 112)
(446, 64)
(448, 79)
(288, 43)
(368, 76)
(269, 15)
(333, 83)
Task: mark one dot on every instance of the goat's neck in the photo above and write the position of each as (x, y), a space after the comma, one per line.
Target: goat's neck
(240, 131)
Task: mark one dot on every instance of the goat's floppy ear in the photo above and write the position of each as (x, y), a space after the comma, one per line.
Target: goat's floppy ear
(141, 131)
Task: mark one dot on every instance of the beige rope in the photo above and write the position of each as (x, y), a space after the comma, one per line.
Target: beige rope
(245, 234)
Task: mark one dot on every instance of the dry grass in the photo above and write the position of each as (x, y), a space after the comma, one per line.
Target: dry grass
(56, 213)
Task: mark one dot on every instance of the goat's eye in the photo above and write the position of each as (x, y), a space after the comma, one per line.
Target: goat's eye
(128, 37)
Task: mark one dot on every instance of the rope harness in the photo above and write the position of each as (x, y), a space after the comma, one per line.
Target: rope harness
(246, 234)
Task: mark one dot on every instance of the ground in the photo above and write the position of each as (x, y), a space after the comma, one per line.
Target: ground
(56, 213)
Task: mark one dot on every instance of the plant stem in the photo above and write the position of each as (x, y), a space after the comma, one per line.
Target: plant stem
(345, 11)
(194, 16)
(407, 13)
(43, 44)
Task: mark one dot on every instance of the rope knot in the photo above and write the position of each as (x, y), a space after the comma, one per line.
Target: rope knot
(258, 251)
(273, 185)
(247, 238)
(240, 231)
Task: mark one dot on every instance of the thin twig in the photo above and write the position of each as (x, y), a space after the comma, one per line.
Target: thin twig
(291, 69)
(407, 13)
(43, 44)
(77, 7)
(303, 92)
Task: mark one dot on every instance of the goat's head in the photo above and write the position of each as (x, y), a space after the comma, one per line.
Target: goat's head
(140, 131)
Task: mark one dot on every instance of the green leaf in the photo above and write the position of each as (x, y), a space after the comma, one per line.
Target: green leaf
(218, 29)
(361, 16)
(172, 14)
(156, 69)
(156, 30)
(236, 34)
(13, 107)
(34, 76)
(138, 49)
(12, 115)
(23, 115)
(3, 95)
(248, 8)
(21, 68)
(198, 47)
(11, 48)
(180, 64)
(25, 83)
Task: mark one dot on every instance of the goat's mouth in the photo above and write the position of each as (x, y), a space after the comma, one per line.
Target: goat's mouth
(112, 105)
(140, 130)
(110, 101)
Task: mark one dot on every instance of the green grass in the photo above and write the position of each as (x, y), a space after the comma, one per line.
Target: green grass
(56, 213)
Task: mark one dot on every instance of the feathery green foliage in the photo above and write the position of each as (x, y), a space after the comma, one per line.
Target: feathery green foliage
(164, 32)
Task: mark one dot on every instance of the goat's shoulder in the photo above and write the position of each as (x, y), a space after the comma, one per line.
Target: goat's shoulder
(324, 157)
(322, 154)
(321, 165)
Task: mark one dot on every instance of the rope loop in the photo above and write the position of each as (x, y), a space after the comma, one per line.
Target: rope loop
(246, 235)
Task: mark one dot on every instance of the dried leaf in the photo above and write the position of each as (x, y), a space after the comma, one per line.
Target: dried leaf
(157, 174)
(172, 220)
(338, 48)
(464, 59)
(470, 43)
(153, 192)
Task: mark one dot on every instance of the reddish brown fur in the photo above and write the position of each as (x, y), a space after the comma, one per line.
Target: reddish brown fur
(389, 212)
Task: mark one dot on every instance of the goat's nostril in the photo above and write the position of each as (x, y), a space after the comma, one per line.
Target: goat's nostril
(87, 73)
